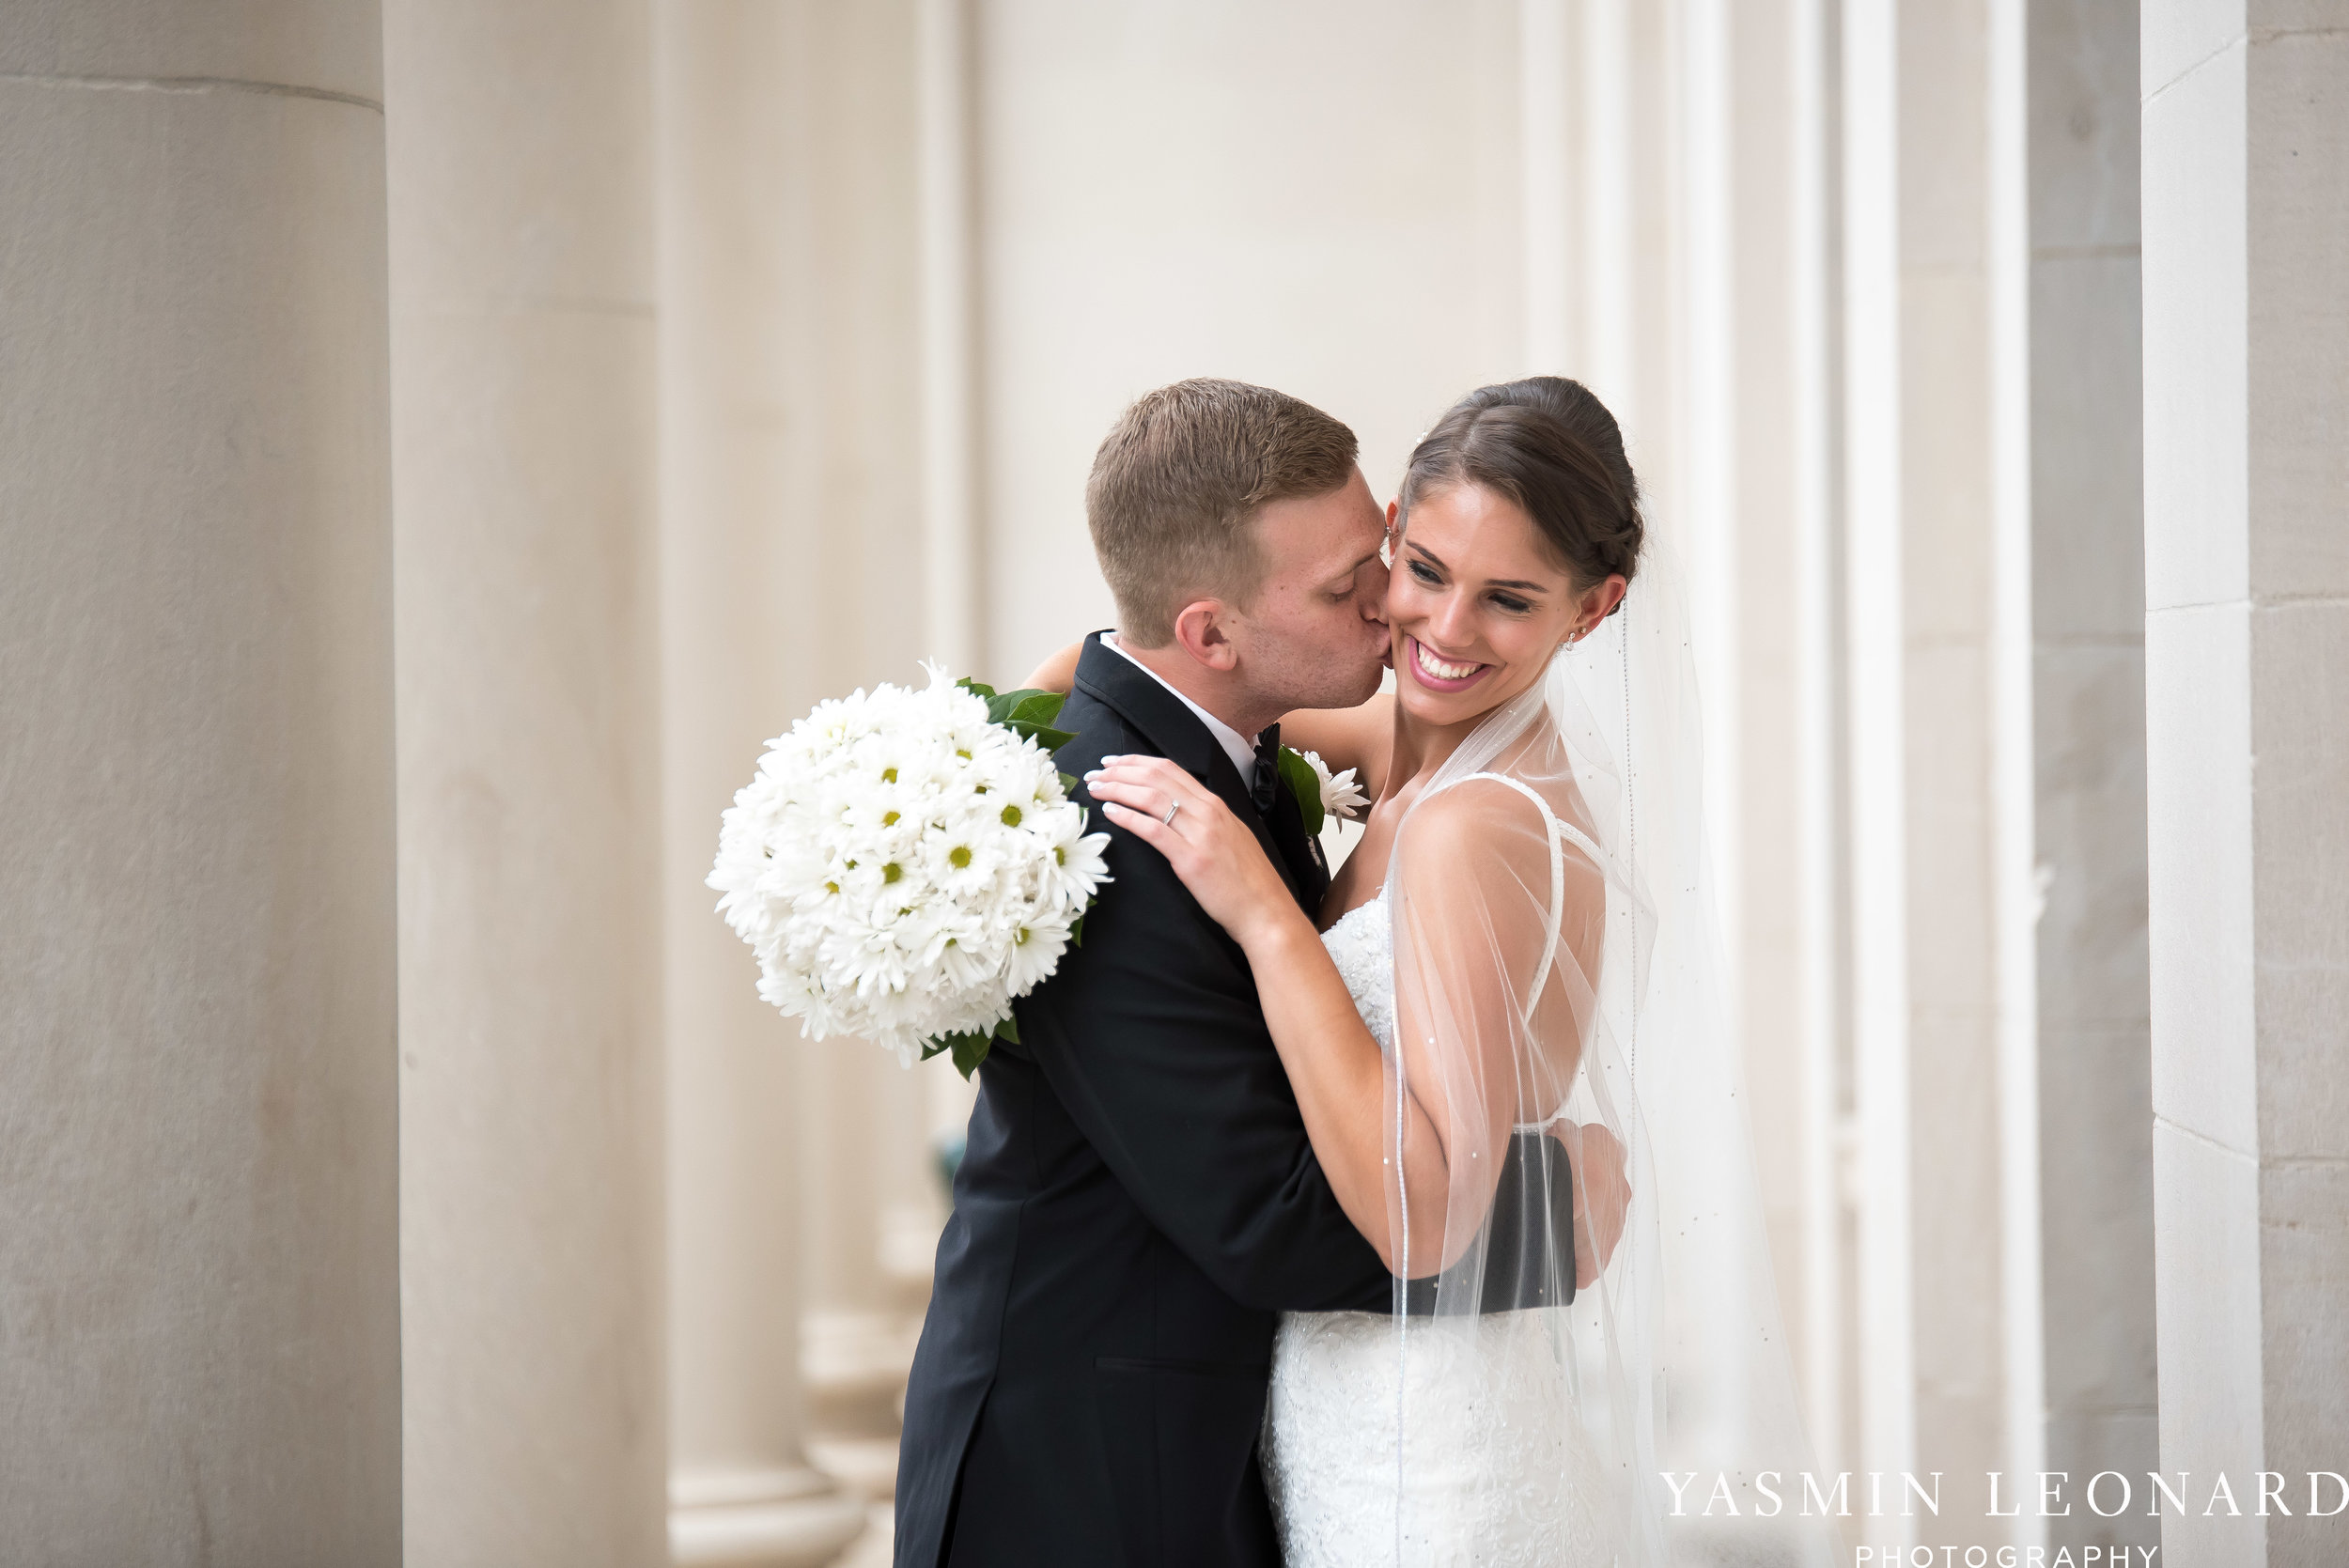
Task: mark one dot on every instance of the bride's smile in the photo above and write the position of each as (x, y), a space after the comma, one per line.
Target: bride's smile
(1442, 675)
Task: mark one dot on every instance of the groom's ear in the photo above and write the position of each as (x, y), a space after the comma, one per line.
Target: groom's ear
(1202, 630)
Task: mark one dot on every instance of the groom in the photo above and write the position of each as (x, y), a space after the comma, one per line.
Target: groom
(1139, 1200)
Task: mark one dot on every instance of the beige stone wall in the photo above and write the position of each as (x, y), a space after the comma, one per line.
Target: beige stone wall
(1336, 215)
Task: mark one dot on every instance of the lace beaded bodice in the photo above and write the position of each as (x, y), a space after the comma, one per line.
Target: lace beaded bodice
(1361, 944)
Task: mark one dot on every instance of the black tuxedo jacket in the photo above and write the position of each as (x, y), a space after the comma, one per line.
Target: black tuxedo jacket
(1137, 1203)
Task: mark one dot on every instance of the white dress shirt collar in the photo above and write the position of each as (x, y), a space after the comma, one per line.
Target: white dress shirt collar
(1241, 749)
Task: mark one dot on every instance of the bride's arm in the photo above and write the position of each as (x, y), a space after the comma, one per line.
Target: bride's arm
(1333, 1065)
(1468, 942)
(1058, 673)
(1470, 904)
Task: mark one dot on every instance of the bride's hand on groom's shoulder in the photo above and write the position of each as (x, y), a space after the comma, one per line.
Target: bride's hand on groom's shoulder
(1208, 848)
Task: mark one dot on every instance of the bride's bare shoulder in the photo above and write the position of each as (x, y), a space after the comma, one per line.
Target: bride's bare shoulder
(1362, 738)
(1479, 819)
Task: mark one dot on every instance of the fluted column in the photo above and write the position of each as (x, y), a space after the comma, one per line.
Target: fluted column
(1773, 530)
(739, 635)
(529, 746)
(200, 1329)
(2087, 655)
(1937, 582)
(947, 242)
(2247, 717)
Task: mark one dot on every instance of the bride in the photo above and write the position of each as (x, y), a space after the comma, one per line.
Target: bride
(1464, 1034)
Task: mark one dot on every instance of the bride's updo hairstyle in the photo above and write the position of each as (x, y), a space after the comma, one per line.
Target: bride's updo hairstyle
(1555, 452)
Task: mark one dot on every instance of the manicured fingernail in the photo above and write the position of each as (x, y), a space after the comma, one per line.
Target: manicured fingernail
(1106, 761)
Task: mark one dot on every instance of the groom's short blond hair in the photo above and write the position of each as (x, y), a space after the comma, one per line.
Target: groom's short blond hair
(1178, 481)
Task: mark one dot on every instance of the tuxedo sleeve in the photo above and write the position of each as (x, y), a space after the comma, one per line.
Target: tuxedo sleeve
(1152, 1037)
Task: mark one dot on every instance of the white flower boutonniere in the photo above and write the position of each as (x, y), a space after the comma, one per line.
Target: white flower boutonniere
(1319, 795)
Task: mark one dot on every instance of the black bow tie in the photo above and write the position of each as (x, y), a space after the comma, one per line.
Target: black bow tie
(1267, 783)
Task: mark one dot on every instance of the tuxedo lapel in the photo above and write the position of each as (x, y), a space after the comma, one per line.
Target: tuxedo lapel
(1110, 678)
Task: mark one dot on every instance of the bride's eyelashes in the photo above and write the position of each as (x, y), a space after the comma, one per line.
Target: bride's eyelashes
(1513, 603)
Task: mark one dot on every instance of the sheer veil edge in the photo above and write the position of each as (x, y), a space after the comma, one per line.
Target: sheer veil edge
(1555, 962)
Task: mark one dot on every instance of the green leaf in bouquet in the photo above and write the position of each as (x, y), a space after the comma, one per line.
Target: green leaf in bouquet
(1036, 708)
(1001, 706)
(1029, 714)
(1069, 783)
(1008, 1030)
(979, 689)
(970, 1050)
(1043, 735)
(1305, 785)
(1077, 929)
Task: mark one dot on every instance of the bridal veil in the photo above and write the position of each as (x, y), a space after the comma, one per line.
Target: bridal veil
(1555, 993)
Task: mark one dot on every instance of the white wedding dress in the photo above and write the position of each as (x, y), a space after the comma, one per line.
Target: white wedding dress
(1498, 1473)
(1559, 957)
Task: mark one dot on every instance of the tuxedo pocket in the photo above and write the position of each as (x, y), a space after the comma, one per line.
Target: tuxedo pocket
(1178, 1439)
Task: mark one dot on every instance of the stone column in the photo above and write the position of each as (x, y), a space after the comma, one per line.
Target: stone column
(2246, 659)
(199, 1327)
(2087, 651)
(529, 749)
(1783, 825)
(1631, 245)
(947, 240)
(1948, 581)
(1931, 555)
(758, 588)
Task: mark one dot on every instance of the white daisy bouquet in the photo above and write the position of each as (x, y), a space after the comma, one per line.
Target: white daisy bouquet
(908, 862)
